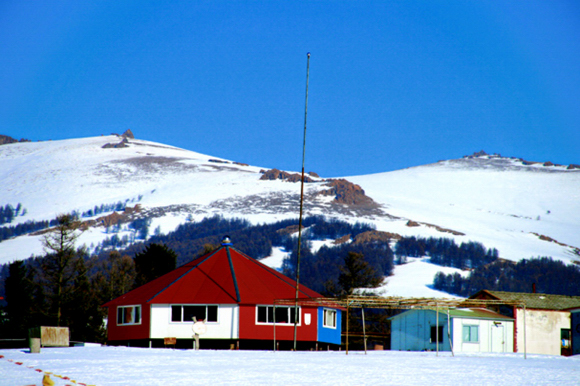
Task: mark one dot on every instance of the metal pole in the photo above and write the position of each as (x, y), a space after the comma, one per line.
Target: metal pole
(347, 329)
(449, 332)
(437, 327)
(364, 329)
(525, 348)
(301, 203)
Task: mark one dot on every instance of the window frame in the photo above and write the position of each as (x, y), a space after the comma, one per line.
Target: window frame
(470, 328)
(325, 317)
(136, 316)
(182, 313)
(269, 315)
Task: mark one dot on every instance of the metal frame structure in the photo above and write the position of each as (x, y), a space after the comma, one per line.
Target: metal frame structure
(404, 303)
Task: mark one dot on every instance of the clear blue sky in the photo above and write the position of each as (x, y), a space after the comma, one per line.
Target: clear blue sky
(393, 84)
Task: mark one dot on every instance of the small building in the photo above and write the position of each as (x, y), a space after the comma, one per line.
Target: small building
(470, 330)
(546, 324)
(234, 295)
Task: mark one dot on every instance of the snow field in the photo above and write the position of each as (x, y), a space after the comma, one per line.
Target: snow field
(138, 366)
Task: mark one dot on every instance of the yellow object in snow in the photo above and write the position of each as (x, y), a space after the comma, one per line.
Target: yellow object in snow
(46, 381)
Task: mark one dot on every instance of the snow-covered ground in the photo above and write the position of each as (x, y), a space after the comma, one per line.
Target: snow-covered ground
(137, 366)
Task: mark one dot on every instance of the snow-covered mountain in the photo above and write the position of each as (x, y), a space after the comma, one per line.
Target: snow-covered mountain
(521, 208)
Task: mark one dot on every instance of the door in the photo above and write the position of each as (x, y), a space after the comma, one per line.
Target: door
(497, 338)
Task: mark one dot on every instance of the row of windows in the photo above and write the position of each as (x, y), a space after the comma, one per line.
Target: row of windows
(128, 315)
(204, 313)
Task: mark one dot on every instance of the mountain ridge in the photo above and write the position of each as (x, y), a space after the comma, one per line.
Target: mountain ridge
(523, 210)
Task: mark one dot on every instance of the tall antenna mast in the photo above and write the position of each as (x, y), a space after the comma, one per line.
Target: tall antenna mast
(296, 313)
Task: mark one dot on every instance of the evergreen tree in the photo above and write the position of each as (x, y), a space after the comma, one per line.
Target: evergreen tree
(82, 311)
(19, 301)
(58, 268)
(155, 261)
(356, 273)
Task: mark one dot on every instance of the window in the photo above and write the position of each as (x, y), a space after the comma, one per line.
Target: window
(284, 314)
(183, 313)
(434, 334)
(128, 315)
(471, 334)
(329, 318)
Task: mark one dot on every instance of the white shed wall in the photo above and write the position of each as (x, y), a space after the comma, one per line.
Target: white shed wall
(542, 330)
(494, 336)
(227, 326)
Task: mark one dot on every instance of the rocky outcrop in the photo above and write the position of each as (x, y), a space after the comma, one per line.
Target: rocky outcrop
(374, 236)
(117, 217)
(275, 174)
(345, 192)
(4, 140)
(124, 143)
(412, 223)
(128, 134)
(289, 230)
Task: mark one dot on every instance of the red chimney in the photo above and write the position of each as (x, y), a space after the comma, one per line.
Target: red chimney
(533, 288)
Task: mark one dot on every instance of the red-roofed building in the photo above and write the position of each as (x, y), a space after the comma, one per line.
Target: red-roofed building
(234, 295)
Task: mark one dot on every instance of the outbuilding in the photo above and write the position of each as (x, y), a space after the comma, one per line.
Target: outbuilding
(463, 330)
(234, 296)
(543, 321)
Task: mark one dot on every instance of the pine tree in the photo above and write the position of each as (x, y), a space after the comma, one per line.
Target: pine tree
(155, 261)
(20, 302)
(356, 273)
(58, 268)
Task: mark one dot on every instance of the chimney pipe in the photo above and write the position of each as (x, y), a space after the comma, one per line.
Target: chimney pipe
(533, 288)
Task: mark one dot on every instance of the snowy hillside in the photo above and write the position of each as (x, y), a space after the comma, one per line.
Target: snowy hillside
(522, 210)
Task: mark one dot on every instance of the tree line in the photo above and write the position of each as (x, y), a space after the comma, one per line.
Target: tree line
(549, 276)
(66, 287)
(8, 213)
(445, 252)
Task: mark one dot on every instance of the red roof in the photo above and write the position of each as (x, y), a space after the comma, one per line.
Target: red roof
(224, 276)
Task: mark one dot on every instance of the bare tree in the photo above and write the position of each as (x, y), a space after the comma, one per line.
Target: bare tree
(59, 264)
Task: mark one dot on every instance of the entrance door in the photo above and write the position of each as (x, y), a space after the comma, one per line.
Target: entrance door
(497, 338)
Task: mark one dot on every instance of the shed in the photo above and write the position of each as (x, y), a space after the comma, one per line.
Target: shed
(543, 325)
(466, 329)
(234, 295)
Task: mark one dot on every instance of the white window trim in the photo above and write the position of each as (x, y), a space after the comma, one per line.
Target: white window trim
(324, 310)
(130, 306)
(291, 323)
(191, 321)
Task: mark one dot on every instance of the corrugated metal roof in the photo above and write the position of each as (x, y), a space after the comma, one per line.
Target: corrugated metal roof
(225, 276)
(533, 300)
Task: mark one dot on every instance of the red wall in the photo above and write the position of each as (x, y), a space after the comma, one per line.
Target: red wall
(250, 330)
(138, 331)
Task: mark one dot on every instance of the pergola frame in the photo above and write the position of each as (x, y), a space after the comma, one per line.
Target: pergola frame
(404, 303)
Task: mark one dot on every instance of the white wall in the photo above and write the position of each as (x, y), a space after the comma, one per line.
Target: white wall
(412, 331)
(225, 328)
(494, 336)
(542, 331)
